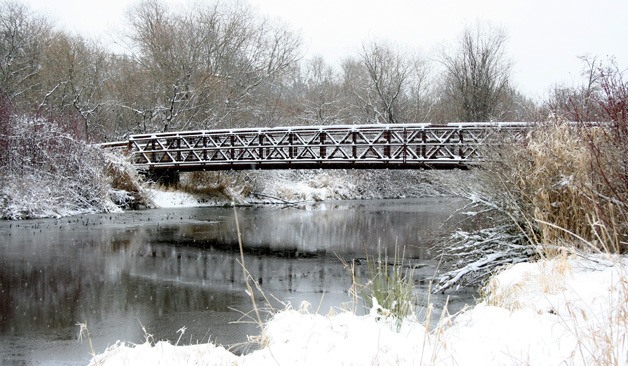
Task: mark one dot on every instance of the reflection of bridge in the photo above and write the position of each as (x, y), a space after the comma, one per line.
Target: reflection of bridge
(398, 146)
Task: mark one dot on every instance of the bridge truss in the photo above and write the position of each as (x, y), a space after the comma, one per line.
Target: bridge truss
(398, 146)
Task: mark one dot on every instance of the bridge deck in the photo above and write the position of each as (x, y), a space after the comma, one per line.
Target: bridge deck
(398, 146)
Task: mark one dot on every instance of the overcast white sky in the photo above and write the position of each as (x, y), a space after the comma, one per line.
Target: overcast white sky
(545, 36)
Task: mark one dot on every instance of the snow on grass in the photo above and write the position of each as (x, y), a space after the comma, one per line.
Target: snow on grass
(177, 199)
(169, 199)
(301, 338)
(306, 186)
(561, 311)
(291, 186)
(164, 353)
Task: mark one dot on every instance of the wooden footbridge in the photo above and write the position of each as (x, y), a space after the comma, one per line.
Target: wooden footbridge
(397, 146)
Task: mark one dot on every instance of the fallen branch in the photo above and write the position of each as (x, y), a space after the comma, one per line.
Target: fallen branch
(259, 195)
(479, 254)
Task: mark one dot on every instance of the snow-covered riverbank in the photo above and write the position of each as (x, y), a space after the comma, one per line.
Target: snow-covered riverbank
(561, 311)
(293, 186)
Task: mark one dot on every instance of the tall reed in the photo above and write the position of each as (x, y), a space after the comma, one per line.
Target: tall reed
(553, 187)
(388, 289)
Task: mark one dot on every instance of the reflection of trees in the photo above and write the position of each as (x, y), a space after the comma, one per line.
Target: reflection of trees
(76, 272)
(221, 270)
(347, 232)
(36, 293)
(113, 273)
(55, 293)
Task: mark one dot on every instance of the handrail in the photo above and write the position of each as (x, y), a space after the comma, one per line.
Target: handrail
(408, 145)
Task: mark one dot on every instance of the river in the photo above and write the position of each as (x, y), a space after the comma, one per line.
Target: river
(175, 274)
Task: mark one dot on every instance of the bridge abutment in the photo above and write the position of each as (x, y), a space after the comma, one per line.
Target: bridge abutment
(167, 177)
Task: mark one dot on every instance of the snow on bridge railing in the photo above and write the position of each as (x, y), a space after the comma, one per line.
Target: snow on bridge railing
(411, 145)
(241, 130)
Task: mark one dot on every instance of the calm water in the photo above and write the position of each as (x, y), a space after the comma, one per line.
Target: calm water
(162, 270)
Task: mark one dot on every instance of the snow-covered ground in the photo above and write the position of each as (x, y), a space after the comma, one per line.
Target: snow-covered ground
(564, 311)
(276, 190)
(169, 199)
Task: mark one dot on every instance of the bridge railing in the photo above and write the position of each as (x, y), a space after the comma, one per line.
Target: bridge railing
(366, 146)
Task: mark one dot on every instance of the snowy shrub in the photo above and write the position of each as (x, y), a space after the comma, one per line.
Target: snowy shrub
(599, 185)
(563, 188)
(46, 172)
(542, 198)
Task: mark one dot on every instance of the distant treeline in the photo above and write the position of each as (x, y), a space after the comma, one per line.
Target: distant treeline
(220, 65)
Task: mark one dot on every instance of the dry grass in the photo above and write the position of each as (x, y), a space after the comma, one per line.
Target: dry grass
(557, 193)
(389, 289)
(233, 186)
(567, 189)
(124, 178)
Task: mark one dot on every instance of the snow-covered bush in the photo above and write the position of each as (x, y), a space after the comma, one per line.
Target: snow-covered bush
(46, 172)
(563, 188)
(599, 185)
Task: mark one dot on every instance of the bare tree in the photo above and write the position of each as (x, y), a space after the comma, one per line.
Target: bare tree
(23, 37)
(360, 98)
(164, 65)
(477, 74)
(322, 97)
(205, 66)
(420, 101)
(579, 103)
(386, 85)
(73, 73)
(389, 72)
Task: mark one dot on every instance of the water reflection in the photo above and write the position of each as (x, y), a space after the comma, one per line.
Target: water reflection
(165, 269)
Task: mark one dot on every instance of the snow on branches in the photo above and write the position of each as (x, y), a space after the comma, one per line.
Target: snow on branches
(47, 172)
(477, 255)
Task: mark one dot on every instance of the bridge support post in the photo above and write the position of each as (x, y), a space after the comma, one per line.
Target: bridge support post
(178, 144)
(387, 146)
(405, 144)
(261, 147)
(292, 151)
(204, 148)
(354, 146)
(461, 144)
(231, 149)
